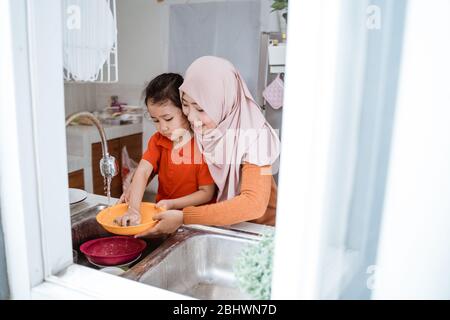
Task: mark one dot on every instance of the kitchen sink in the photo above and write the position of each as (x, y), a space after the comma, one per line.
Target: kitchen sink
(85, 227)
(196, 261)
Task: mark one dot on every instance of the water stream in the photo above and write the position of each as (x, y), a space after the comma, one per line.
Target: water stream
(107, 188)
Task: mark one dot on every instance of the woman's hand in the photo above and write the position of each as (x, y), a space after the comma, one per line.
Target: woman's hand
(167, 204)
(168, 222)
(131, 218)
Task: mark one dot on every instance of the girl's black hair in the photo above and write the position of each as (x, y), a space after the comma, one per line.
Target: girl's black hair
(164, 88)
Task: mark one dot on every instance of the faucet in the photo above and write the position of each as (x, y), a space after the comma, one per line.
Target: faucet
(108, 164)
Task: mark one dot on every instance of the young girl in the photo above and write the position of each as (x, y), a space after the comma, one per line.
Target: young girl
(184, 178)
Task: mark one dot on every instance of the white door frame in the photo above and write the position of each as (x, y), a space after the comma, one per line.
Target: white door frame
(307, 121)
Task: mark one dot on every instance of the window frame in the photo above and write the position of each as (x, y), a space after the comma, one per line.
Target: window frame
(35, 206)
(37, 228)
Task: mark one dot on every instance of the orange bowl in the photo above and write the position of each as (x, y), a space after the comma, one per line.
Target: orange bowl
(106, 218)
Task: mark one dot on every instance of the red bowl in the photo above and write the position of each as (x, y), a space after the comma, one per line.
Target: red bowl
(112, 251)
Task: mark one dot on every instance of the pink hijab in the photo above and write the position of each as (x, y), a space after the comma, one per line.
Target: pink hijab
(242, 132)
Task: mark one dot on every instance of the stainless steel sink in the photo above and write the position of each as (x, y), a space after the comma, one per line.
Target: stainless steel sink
(85, 227)
(198, 262)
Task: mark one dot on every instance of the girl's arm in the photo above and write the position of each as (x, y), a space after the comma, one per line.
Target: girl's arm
(203, 195)
(136, 192)
(139, 182)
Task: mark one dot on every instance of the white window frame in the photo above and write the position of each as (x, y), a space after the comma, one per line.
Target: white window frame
(37, 229)
(307, 123)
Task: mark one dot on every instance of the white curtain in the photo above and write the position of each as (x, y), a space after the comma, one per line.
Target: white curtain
(414, 252)
(362, 132)
(341, 86)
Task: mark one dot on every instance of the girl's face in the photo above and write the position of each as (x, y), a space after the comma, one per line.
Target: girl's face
(169, 120)
(199, 120)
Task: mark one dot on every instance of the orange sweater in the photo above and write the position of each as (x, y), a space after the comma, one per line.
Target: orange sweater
(256, 202)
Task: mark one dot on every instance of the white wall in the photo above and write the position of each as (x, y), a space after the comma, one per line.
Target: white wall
(142, 50)
(141, 40)
(142, 45)
(79, 97)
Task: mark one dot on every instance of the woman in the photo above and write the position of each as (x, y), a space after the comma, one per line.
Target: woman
(238, 144)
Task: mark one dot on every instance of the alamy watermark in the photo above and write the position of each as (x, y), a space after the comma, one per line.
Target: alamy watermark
(253, 144)
(373, 17)
(371, 271)
(73, 20)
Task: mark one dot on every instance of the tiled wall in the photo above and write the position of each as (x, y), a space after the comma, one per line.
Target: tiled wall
(131, 94)
(79, 97)
(91, 96)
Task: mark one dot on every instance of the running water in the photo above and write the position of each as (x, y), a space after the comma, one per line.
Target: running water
(107, 188)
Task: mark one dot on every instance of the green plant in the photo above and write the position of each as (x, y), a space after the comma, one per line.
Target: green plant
(253, 269)
(279, 5)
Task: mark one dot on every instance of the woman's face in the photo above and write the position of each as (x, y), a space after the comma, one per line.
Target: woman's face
(168, 119)
(199, 120)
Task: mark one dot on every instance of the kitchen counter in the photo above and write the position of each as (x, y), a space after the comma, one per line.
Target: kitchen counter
(79, 140)
(91, 200)
(91, 135)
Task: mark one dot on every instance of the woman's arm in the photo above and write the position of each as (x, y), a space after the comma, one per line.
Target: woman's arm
(250, 204)
(203, 195)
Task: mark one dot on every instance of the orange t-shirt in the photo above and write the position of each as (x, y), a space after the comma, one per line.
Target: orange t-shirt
(180, 171)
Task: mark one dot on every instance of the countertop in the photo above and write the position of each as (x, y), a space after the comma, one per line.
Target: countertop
(111, 131)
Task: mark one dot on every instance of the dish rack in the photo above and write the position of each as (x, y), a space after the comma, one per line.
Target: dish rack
(108, 72)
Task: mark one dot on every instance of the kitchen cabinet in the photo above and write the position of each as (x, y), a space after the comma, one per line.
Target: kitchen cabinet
(133, 143)
(76, 179)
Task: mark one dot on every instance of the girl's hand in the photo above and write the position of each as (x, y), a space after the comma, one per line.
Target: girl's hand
(166, 204)
(131, 218)
(168, 222)
(125, 197)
